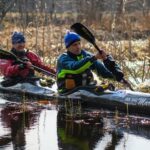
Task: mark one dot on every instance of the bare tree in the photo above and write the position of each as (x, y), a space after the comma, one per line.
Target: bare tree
(5, 6)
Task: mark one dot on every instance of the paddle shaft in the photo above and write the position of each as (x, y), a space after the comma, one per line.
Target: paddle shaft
(87, 34)
(97, 48)
(44, 71)
(38, 69)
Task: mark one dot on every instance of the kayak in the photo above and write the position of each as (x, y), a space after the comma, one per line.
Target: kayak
(27, 89)
(33, 91)
(124, 100)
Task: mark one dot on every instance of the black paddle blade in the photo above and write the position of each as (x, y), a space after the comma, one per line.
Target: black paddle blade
(83, 32)
(7, 55)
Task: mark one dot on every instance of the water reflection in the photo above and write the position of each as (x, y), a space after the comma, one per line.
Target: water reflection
(111, 132)
(75, 134)
(40, 127)
(17, 120)
(28, 127)
(110, 141)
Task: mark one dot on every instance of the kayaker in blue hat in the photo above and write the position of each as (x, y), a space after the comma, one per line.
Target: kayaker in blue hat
(75, 66)
(13, 70)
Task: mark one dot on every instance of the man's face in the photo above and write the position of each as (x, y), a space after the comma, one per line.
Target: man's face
(19, 46)
(75, 48)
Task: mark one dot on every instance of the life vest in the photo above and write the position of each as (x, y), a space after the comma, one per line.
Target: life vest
(71, 81)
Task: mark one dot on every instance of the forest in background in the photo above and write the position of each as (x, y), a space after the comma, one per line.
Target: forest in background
(121, 27)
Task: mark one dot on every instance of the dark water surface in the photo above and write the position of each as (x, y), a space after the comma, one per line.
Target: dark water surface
(45, 126)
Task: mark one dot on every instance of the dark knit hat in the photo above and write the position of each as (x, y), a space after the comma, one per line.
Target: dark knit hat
(70, 38)
(17, 37)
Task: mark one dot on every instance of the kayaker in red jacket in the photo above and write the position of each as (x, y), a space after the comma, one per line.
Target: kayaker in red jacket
(14, 70)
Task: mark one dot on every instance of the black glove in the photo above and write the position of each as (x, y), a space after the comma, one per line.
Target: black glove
(22, 66)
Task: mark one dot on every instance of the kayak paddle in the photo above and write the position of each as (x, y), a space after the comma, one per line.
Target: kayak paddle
(8, 55)
(87, 34)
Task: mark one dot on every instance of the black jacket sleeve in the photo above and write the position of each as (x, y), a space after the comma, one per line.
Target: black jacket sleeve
(114, 68)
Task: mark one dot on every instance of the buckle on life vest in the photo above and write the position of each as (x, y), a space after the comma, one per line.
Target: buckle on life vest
(70, 84)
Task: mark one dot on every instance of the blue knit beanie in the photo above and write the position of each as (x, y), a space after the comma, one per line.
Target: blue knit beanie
(18, 37)
(70, 38)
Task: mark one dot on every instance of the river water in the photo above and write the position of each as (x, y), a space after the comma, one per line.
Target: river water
(47, 126)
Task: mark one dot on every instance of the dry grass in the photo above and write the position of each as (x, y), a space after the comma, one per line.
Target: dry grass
(47, 40)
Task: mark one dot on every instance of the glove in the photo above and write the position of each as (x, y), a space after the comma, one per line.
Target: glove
(25, 66)
(22, 66)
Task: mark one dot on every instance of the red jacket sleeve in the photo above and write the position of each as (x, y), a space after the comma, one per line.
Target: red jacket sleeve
(9, 70)
(35, 60)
